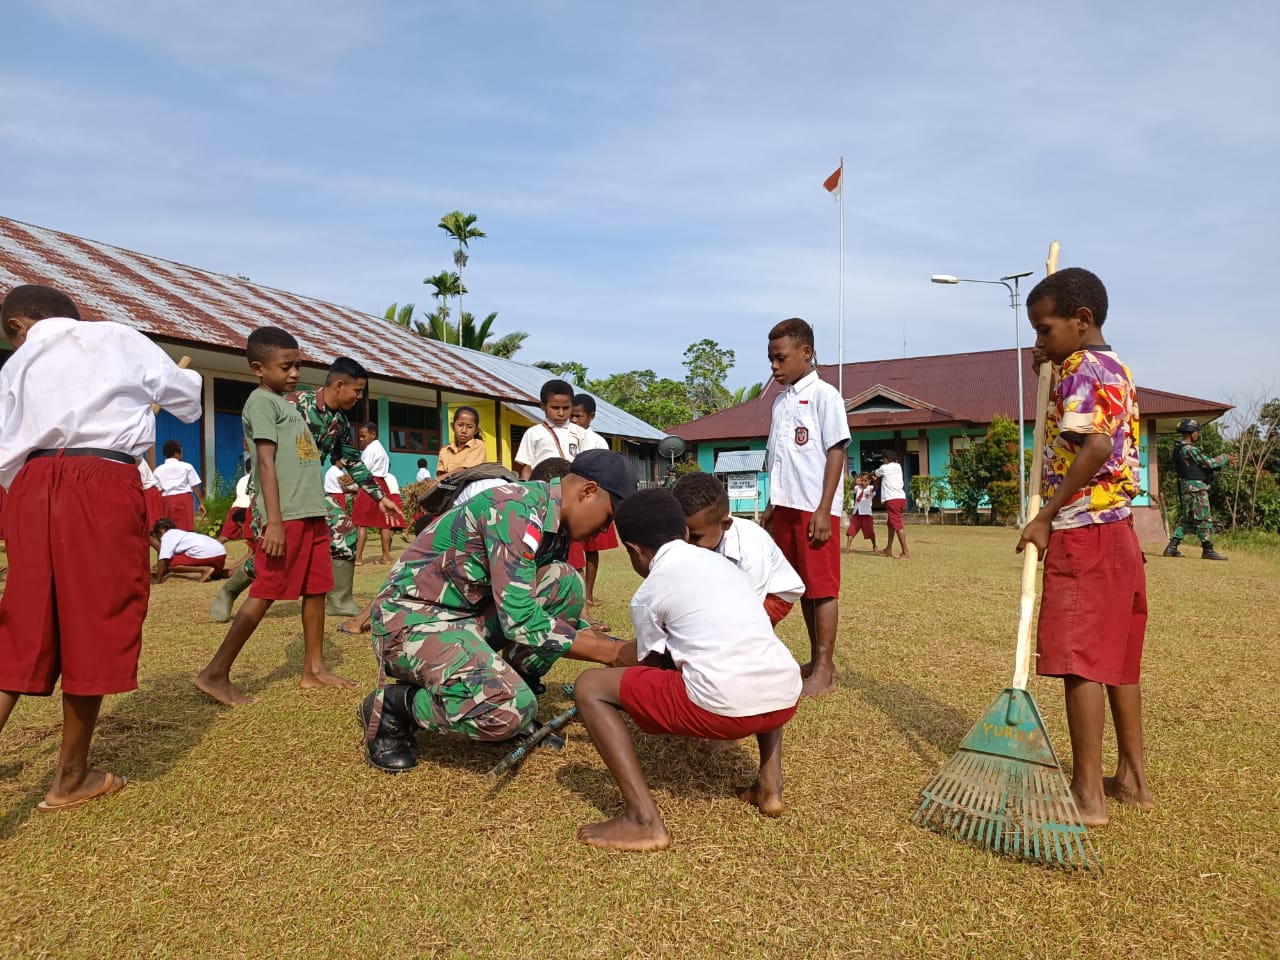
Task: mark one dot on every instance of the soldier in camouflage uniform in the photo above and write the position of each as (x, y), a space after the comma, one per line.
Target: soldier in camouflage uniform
(480, 607)
(325, 412)
(1195, 473)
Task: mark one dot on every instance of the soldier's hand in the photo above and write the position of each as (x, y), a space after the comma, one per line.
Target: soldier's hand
(388, 506)
(1232, 459)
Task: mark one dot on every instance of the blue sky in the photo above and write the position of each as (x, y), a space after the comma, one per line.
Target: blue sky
(650, 174)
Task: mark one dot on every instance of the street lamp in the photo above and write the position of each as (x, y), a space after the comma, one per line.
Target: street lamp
(1017, 332)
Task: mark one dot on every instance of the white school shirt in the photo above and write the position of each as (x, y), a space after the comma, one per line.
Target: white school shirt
(422, 474)
(862, 497)
(176, 477)
(333, 482)
(808, 420)
(699, 607)
(194, 545)
(543, 441)
(592, 440)
(242, 494)
(75, 383)
(148, 478)
(750, 548)
(376, 459)
(891, 487)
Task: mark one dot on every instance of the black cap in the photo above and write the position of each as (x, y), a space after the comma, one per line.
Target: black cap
(1188, 426)
(612, 471)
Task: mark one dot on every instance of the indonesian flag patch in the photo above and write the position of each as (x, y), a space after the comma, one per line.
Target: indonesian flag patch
(532, 538)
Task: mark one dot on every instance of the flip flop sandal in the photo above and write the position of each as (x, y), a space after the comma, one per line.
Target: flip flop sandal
(112, 784)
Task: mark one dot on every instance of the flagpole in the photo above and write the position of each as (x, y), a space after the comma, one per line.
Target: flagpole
(840, 341)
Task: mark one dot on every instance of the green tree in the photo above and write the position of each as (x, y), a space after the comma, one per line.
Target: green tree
(461, 226)
(571, 370)
(472, 335)
(743, 394)
(444, 285)
(707, 365)
(402, 316)
(987, 472)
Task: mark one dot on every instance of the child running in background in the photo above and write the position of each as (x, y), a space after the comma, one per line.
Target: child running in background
(807, 460)
(292, 555)
(893, 494)
(186, 554)
(584, 411)
(178, 482)
(860, 520)
(1093, 613)
(746, 544)
(707, 665)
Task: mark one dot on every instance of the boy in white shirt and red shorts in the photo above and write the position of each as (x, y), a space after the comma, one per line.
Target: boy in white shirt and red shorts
(807, 461)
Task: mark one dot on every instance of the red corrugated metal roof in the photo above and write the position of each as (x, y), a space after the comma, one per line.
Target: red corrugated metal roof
(172, 301)
(968, 388)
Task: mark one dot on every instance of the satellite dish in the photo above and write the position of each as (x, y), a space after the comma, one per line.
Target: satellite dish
(671, 447)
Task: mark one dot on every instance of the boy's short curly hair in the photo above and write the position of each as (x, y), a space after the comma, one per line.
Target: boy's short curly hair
(699, 491)
(171, 448)
(265, 341)
(795, 328)
(35, 302)
(549, 469)
(1071, 289)
(650, 518)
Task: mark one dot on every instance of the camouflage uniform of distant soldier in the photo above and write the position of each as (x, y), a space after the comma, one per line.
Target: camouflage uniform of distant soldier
(1195, 472)
(331, 431)
(477, 609)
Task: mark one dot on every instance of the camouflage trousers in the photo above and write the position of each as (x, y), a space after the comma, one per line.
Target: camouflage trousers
(342, 536)
(466, 668)
(1195, 516)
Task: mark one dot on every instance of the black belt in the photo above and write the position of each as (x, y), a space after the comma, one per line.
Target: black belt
(115, 455)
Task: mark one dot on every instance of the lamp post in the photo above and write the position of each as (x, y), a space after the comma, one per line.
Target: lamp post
(1017, 333)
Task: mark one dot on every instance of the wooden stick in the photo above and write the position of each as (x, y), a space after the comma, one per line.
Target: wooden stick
(182, 365)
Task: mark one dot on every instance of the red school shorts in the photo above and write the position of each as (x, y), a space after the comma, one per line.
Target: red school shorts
(365, 512)
(186, 560)
(305, 569)
(893, 512)
(862, 523)
(602, 541)
(181, 510)
(155, 506)
(819, 567)
(61, 614)
(1093, 616)
(659, 703)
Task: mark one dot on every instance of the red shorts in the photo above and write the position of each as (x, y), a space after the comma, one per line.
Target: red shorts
(862, 523)
(776, 608)
(341, 500)
(602, 541)
(181, 510)
(577, 555)
(2, 513)
(60, 614)
(819, 567)
(1093, 615)
(659, 703)
(305, 569)
(893, 512)
(186, 560)
(366, 512)
(155, 506)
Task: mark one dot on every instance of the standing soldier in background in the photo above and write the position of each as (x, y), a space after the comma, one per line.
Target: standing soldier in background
(1195, 473)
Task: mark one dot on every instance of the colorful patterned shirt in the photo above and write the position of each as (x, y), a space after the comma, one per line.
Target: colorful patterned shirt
(489, 547)
(1094, 394)
(332, 432)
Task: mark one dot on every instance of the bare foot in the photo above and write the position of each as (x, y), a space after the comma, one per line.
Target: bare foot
(768, 802)
(384, 560)
(206, 573)
(819, 684)
(222, 690)
(323, 678)
(806, 669)
(884, 553)
(623, 834)
(904, 555)
(1092, 814)
(716, 746)
(94, 784)
(1126, 792)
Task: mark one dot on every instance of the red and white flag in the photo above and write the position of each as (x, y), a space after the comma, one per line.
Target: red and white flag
(834, 182)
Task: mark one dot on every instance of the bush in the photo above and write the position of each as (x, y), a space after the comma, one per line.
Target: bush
(1003, 495)
(974, 472)
(927, 491)
(217, 504)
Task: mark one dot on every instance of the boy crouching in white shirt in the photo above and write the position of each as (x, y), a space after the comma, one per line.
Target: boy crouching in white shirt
(708, 665)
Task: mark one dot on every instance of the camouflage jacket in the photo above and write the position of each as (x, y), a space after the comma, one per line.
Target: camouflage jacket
(332, 433)
(479, 558)
(1193, 453)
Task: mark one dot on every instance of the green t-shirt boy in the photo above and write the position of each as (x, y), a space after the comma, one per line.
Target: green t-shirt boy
(299, 469)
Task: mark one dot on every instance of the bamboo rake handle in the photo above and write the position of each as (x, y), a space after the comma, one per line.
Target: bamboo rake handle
(182, 365)
(1030, 556)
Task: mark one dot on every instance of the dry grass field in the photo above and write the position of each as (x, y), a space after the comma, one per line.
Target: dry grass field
(260, 832)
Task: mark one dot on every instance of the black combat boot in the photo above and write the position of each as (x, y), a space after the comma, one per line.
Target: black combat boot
(1208, 553)
(392, 748)
(1172, 549)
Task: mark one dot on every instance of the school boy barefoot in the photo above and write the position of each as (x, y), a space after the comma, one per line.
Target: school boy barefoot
(69, 460)
(1093, 614)
(807, 462)
(292, 555)
(707, 664)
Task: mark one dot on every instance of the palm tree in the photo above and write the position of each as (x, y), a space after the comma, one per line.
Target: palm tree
(461, 226)
(743, 394)
(445, 285)
(401, 316)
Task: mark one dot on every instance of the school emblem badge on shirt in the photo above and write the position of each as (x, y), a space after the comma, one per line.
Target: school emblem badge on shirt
(802, 436)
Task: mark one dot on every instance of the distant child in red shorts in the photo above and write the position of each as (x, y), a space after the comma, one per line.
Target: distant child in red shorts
(69, 460)
(292, 553)
(893, 494)
(709, 666)
(807, 463)
(1093, 613)
(860, 520)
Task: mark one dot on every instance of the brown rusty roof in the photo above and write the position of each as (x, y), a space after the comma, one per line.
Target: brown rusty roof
(172, 301)
(964, 389)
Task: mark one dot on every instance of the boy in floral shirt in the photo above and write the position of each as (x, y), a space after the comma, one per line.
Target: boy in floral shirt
(1093, 614)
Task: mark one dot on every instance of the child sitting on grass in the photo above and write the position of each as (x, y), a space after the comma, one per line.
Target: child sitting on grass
(184, 553)
(707, 665)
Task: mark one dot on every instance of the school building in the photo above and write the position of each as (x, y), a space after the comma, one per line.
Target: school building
(414, 382)
(927, 408)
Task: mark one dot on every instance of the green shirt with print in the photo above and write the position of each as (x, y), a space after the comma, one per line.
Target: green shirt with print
(299, 469)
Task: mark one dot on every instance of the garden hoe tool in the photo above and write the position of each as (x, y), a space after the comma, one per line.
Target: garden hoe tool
(1004, 789)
